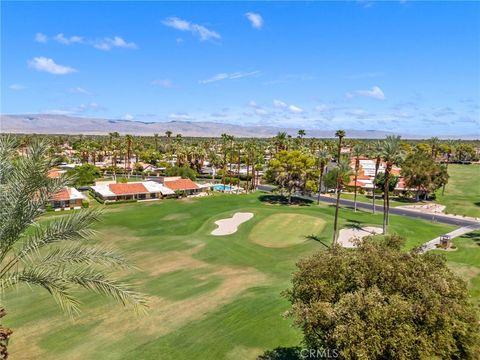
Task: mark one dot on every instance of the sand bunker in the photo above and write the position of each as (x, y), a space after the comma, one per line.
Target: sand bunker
(230, 225)
(347, 237)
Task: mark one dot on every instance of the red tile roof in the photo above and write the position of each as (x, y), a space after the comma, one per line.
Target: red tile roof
(54, 173)
(62, 195)
(181, 184)
(127, 189)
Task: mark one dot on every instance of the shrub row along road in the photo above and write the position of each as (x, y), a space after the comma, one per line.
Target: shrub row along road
(443, 219)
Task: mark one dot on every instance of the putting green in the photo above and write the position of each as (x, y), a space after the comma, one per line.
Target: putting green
(283, 230)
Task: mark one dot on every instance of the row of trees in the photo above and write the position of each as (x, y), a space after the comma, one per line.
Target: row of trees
(296, 171)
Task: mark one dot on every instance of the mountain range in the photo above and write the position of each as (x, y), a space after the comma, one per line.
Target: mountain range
(63, 124)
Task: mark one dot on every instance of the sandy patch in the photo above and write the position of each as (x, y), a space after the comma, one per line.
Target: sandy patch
(230, 225)
(347, 237)
(425, 208)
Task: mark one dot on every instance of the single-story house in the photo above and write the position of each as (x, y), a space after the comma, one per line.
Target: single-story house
(185, 186)
(67, 198)
(131, 191)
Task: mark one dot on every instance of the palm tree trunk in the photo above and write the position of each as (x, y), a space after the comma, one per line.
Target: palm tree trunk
(238, 169)
(335, 223)
(377, 165)
(386, 199)
(355, 188)
(320, 179)
(248, 171)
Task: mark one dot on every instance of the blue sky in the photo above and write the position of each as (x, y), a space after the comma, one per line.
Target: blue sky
(400, 66)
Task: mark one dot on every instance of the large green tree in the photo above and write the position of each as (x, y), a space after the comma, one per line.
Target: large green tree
(290, 170)
(50, 254)
(378, 302)
(84, 174)
(421, 172)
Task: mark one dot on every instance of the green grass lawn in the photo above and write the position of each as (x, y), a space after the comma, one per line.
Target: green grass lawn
(462, 193)
(465, 262)
(394, 200)
(212, 297)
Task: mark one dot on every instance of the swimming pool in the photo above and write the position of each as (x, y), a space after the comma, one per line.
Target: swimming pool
(221, 187)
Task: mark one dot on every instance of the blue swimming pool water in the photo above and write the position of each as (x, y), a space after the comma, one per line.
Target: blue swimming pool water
(221, 187)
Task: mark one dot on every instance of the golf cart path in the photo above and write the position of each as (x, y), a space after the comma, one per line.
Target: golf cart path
(430, 245)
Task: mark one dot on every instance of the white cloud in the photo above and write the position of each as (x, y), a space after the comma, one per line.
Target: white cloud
(261, 112)
(128, 117)
(197, 30)
(76, 110)
(79, 90)
(165, 83)
(375, 93)
(322, 108)
(279, 104)
(41, 38)
(179, 116)
(16, 87)
(253, 104)
(48, 65)
(255, 19)
(68, 40)
(295, 109)
(109, 43)
(228, 76)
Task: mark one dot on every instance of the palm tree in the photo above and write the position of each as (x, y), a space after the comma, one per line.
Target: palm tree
(392, 154)
(435, 144)
(340, 134)
(155, 138)
(49, 254)
(322, 157)
(376, 152)
(129, 139)
(357, 151)
(344, 171)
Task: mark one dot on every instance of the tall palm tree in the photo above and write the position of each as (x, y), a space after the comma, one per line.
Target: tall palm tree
(322, 157)
(434, 144)
(392, 154)
(344, 171)
(357, 151)
(376, 152)
(129, 140)
(340, 134)
(155, 138)
(50, 254)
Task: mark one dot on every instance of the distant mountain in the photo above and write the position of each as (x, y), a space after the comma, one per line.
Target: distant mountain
(62, 124)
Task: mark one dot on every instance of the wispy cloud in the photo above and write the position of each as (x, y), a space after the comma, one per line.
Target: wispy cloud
(228, 76)
(255, 19)
(79, 90)
(49, 65)
(76, 110)
(107, 43)
(179, 116)
(68, 40)
(41, 38)
(375, 93)
(198, 30)
(279, 104)
(164, 83)
(128, 117)
(16, 87)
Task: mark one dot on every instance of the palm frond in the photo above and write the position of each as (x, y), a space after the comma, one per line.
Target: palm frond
(97, 282)
(70, 228)
(48, 280)
(60, 257)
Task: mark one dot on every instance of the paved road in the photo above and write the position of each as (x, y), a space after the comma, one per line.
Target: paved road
(443, 219)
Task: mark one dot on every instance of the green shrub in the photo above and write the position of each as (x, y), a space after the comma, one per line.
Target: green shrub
(85, 204)
(121, 202)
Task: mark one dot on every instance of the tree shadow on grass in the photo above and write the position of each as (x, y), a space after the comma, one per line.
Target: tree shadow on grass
(475, 236)
(320, 239)
(477, 203)
(354, 224)
(283, 200)
(282, 353)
